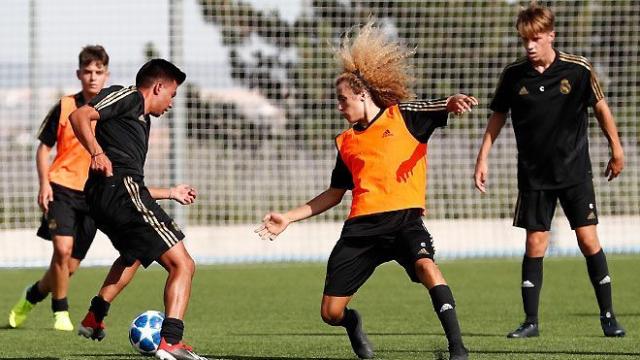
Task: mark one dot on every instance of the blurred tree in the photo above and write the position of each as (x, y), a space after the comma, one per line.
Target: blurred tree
(150, 51)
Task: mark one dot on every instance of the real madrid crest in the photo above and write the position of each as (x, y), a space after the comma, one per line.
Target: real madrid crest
(565, 87)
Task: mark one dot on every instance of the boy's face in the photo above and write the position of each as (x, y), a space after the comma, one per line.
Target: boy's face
(93, 77)
(350, 104)
(163, 92)
(539, 45)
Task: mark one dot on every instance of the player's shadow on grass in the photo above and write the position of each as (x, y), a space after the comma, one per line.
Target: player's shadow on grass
(208, 356)
(500, 335)
(130, 355)
(242, 357)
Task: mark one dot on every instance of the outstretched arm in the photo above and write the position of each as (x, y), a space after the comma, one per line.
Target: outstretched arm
(460, 103)
(275, 223)
(81, 123)
(496, 122)
(183, 193)
(608, 126)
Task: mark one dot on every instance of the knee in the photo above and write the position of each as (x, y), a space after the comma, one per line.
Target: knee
(537, 244)
(331, 315)
(589, 249)
(62, 253)
(185, 266)
(191, 266)
(424, 268)
(589, 245)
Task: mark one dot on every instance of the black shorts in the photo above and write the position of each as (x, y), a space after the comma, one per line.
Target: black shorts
(68, 215)
(354, 259)
(134, 222)
(535, 208)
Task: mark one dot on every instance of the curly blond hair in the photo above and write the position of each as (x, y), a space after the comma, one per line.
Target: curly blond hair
(371, 61)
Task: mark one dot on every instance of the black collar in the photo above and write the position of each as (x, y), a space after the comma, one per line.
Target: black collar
(358, 127)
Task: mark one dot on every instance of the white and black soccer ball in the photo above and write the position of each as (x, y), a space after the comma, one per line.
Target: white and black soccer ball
(144, 333)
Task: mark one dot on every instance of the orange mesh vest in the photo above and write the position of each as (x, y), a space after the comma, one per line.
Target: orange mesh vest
(387, 163)
(70, 167)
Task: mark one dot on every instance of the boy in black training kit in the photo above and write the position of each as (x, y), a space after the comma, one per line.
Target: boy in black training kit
(382, 160)
(548, 93)
(125, 209)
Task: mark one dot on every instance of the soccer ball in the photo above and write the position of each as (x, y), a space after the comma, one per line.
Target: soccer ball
(144, 333)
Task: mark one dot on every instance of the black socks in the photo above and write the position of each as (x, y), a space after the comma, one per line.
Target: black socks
(445, 307)
(172, 330)
(99, 307)
(33, 294)
(531, 286)
(601, 281)
(59, 304)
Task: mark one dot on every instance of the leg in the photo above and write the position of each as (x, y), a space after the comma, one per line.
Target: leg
(537, 243)
(37, 292)
(588, 241)
(177, 291)
(351, 263)
(600, 279)
(532, 273)
(332, 309)
(74, 264)
(579, 204)
(335, 313)
(119, 276)
(444, 305)
(58, 281)
(62, 247)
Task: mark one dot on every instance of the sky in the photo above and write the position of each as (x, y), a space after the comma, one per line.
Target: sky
(123, 27)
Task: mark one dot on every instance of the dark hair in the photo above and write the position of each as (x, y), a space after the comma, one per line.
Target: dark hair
(91, 53)
(156, 69)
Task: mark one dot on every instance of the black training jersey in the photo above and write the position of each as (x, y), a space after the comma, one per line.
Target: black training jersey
(421, 118)
(48, 132)
(123, 128)
(549, 112)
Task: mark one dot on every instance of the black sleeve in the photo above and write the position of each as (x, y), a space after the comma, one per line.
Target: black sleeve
(594, 92)
(500, 102)
(341, 176)
(115, 100)
(422, 117)
(48, 132)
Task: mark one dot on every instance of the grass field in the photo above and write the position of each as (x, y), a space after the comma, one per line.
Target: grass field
(271, 311)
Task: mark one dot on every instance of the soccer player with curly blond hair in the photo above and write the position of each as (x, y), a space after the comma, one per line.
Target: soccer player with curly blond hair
(382, 160)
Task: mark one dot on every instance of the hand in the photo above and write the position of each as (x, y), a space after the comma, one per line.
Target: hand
(480, 176)
(100, 163)
(272, 225)
(614, 167)
(460, 103)
(45, 195)
(184, 194)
